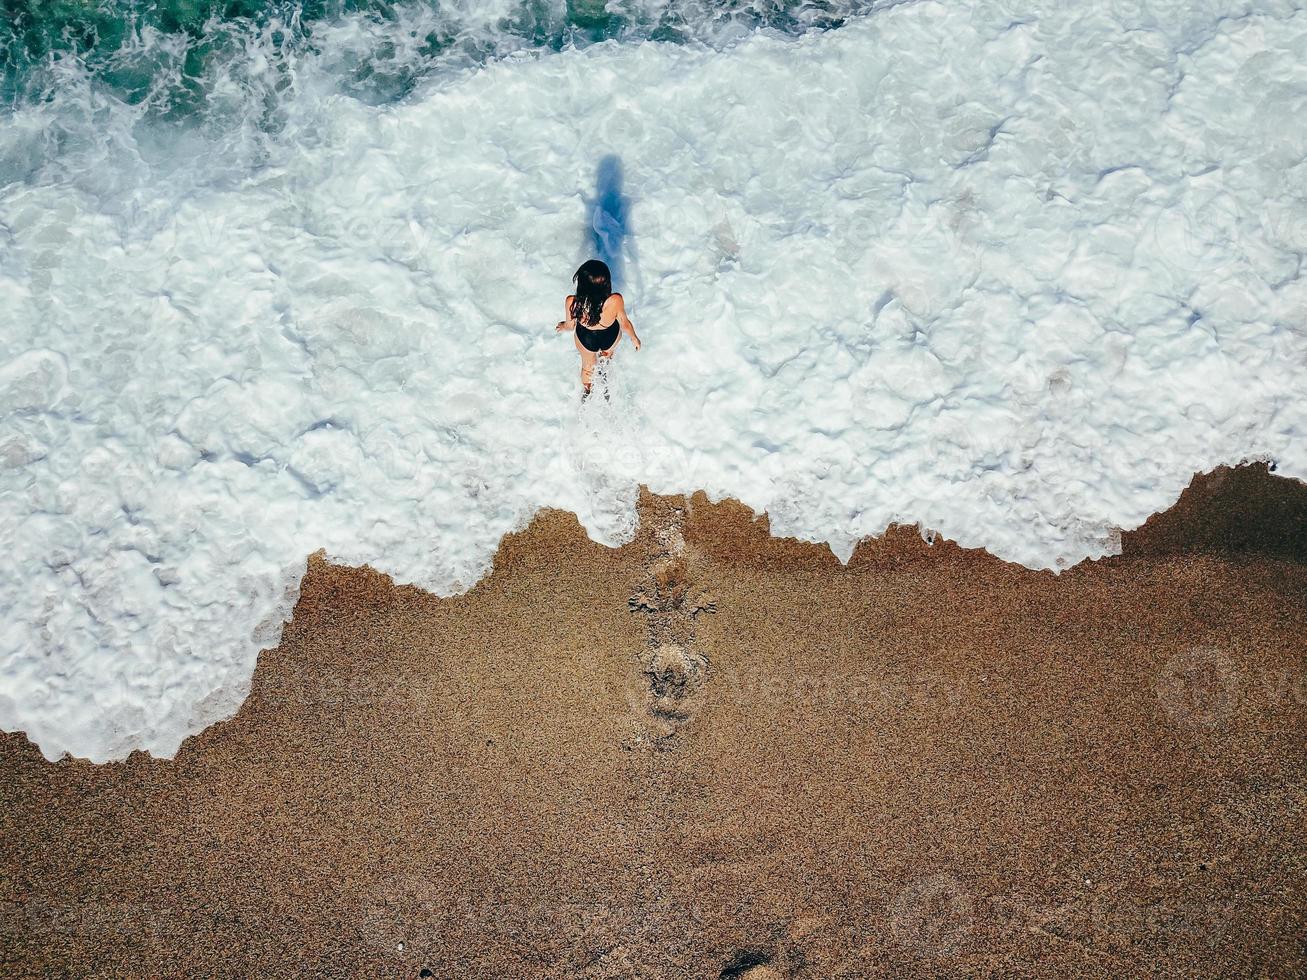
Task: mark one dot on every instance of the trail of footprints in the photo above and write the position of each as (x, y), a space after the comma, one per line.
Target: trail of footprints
(672, 672)
(671, 675)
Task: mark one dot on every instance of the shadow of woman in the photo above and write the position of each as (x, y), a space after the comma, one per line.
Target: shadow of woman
(608, 234)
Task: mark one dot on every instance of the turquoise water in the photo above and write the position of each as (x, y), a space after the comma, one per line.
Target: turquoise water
(169, 55)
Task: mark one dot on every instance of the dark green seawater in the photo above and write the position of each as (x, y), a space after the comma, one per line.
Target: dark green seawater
(169, 55)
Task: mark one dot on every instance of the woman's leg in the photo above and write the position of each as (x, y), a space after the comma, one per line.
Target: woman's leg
(587, 365)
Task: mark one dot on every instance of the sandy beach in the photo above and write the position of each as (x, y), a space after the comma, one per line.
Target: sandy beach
(354, 621)
(713, 753)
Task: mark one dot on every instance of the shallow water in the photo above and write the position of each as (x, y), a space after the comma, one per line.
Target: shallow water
(288, 281)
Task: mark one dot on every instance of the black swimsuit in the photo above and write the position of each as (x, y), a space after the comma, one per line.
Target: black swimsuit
(597, 340)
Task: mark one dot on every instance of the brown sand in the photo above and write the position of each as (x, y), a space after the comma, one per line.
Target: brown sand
(716, 754)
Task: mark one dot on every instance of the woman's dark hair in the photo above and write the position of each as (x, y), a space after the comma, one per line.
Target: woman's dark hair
(594, 284)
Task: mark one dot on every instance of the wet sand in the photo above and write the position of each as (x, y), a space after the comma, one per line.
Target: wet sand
(712, 753)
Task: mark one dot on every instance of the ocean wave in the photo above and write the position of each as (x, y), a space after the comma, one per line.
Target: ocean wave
(170, 54)
(1010, 273)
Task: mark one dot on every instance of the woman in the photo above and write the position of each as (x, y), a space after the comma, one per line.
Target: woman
(597, 315)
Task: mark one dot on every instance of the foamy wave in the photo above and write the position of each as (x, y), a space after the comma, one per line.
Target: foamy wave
(1011, 273)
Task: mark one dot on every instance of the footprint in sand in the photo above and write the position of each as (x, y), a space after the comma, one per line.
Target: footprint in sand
(670, 674)
(749, 964)
(669, 591)
(664, 689)
(676, 676)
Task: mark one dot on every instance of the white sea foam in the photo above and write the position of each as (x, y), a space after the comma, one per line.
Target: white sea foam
(1012, 272)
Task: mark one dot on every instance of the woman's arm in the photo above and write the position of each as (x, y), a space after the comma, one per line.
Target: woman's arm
(627, 326)
(569, 323)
